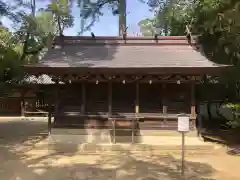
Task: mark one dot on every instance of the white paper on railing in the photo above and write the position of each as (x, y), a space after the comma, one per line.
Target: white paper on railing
(183, 123)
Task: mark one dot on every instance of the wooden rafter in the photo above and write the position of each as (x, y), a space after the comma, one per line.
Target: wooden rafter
(126, 78)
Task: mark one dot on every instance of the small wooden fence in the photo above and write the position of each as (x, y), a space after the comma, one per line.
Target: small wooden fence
(35, 107)
(11, 106)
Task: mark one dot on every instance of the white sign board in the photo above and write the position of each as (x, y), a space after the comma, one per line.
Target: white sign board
(183, 123)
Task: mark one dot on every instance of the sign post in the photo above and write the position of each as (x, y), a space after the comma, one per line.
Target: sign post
(183, 127)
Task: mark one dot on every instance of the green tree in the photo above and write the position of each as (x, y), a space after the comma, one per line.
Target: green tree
(34, 35)
(10, 52)
(148, 27)
(61, 11)
(217, 25)
(215, 22)
(92, 10)
(172, 16)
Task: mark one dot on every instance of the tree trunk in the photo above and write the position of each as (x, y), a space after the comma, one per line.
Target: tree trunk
(33, 7)
(59, 26)
(122, 17)
(25, 46)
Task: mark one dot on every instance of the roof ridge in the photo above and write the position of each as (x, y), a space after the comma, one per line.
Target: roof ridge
(120, 37)
(119, 40)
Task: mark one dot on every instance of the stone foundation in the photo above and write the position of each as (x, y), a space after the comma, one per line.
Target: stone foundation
(105, 136)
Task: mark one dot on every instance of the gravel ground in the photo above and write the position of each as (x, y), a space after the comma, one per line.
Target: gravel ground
(23, 157)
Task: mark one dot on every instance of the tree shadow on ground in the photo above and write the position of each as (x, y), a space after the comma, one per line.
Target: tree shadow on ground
(218, 130)
(132, 166)
(36, 164)
(227, 137)
(31, 134)
(124, 165)
(22, 131)
(235, 151)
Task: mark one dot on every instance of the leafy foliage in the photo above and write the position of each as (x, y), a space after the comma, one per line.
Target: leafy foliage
(93, 9)
(33, 34)
(215, 21)
(147, 27)
(235, 123)
(10, 52)
(217, 24)
(61, 12)
(172, 16)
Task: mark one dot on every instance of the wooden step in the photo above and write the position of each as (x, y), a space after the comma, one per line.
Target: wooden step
(160, 133)
(145, 148)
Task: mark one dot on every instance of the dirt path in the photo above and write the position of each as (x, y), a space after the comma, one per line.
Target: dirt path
(23, 156)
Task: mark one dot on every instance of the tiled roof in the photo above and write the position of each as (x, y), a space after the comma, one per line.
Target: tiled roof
(114, 52)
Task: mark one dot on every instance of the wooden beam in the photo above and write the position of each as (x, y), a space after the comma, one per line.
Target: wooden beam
(83, 97)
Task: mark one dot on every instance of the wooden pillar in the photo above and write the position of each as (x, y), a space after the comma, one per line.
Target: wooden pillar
(50, 111)
(137, 99)
(109, 98)
(164, 102)
(56, 104)
(22, 103)
(113, 121)
(193, 104)
(22, 106)
(34, 107)
(83, 96)
(49, 116)
(135, 120)
(114, 131)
